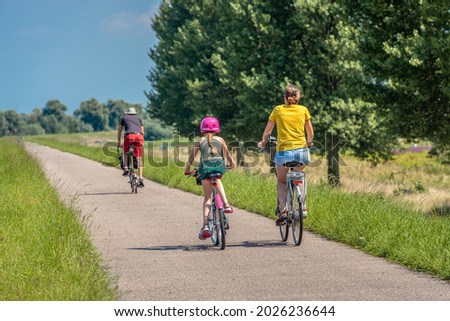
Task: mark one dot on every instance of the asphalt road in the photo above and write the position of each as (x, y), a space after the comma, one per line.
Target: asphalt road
(149, 243)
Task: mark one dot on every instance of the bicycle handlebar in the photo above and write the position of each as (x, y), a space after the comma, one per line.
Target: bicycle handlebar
(191, 173)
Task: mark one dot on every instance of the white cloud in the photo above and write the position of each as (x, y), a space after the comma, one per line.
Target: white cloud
(118, 22)
(127, 21)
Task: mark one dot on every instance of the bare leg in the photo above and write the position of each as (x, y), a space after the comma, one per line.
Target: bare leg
(221, 191)
(124, 159)
(140, 166)
(281, 186)
(300, 169)
(207, 190)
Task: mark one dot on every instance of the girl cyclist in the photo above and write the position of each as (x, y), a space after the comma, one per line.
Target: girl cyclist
(291, 120)
(212, 150)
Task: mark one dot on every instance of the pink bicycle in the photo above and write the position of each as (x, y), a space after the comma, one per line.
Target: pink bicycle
(218, 222)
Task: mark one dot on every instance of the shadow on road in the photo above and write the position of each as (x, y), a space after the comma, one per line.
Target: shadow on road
(105, 193)
(205, 247)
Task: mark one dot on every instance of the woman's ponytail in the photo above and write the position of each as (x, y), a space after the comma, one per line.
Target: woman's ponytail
(292, 94)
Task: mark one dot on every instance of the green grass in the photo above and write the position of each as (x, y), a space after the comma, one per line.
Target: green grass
(45, 252)
(382, 227)
(372, 222)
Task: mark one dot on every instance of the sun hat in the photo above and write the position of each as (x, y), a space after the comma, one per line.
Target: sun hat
(130, 111)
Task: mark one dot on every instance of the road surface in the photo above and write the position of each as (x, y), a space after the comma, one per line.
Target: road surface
(149, 243)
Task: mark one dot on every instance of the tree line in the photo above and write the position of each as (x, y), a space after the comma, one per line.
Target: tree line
(370, 71)
(91, 116)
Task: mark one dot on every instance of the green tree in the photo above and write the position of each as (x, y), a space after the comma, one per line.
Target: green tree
(56, 108)
(52, 125)
(34, 117)
(232, 59)
(405, 51)
(75, 125)
(168, 94)
(2, 124)
(117, 108)
(34, 129)
(93, 113)
(13, 123)
(53, 118)
(155, 130)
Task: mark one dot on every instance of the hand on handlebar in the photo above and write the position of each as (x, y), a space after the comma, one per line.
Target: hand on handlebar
(230, 166)
(190, 173)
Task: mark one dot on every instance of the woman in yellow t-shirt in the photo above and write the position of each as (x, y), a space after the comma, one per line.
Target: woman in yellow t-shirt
(291, 120)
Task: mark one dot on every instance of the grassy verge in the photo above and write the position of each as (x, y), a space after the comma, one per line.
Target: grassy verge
(45, 253)
(371, 222)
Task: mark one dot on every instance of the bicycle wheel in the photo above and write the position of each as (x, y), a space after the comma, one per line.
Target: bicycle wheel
(284, 232)
(284, 229)
(130, 181)
(221, 229)
(297, 216)
(213, 228)
(134, 184)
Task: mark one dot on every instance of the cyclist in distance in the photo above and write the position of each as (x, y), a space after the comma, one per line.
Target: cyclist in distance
(212, 150)
(134, 135)
(291, 120)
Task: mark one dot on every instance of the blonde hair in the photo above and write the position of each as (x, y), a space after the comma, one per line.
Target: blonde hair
(292, 94)
(209, 137)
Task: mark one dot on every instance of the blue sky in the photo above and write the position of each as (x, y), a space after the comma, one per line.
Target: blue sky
(74, 50)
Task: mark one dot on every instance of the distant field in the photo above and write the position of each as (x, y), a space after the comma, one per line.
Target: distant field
(365, 213)
(411, 177)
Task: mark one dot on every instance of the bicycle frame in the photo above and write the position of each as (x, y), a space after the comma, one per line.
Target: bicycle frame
(215, 195)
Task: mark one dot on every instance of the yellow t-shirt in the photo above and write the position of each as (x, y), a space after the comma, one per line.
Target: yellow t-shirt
(290, 121)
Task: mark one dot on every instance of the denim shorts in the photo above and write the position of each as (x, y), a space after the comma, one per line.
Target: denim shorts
(300, 155)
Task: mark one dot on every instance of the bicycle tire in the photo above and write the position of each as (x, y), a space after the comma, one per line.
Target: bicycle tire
(284, 232)
(284, 229)
(212, 224)
(221, 229)
(297, 216)
(135, 184)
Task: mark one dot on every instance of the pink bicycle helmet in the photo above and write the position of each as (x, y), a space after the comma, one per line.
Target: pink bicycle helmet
(210, 124)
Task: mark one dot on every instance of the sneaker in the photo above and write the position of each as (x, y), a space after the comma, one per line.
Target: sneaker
(227, 209)
(226, 222)
(305, 213)
(204, 233)
(125, 172)
(141, 182)
(281, 218)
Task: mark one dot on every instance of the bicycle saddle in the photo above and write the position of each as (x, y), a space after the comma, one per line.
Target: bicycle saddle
(292, 164)
(214, 175)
